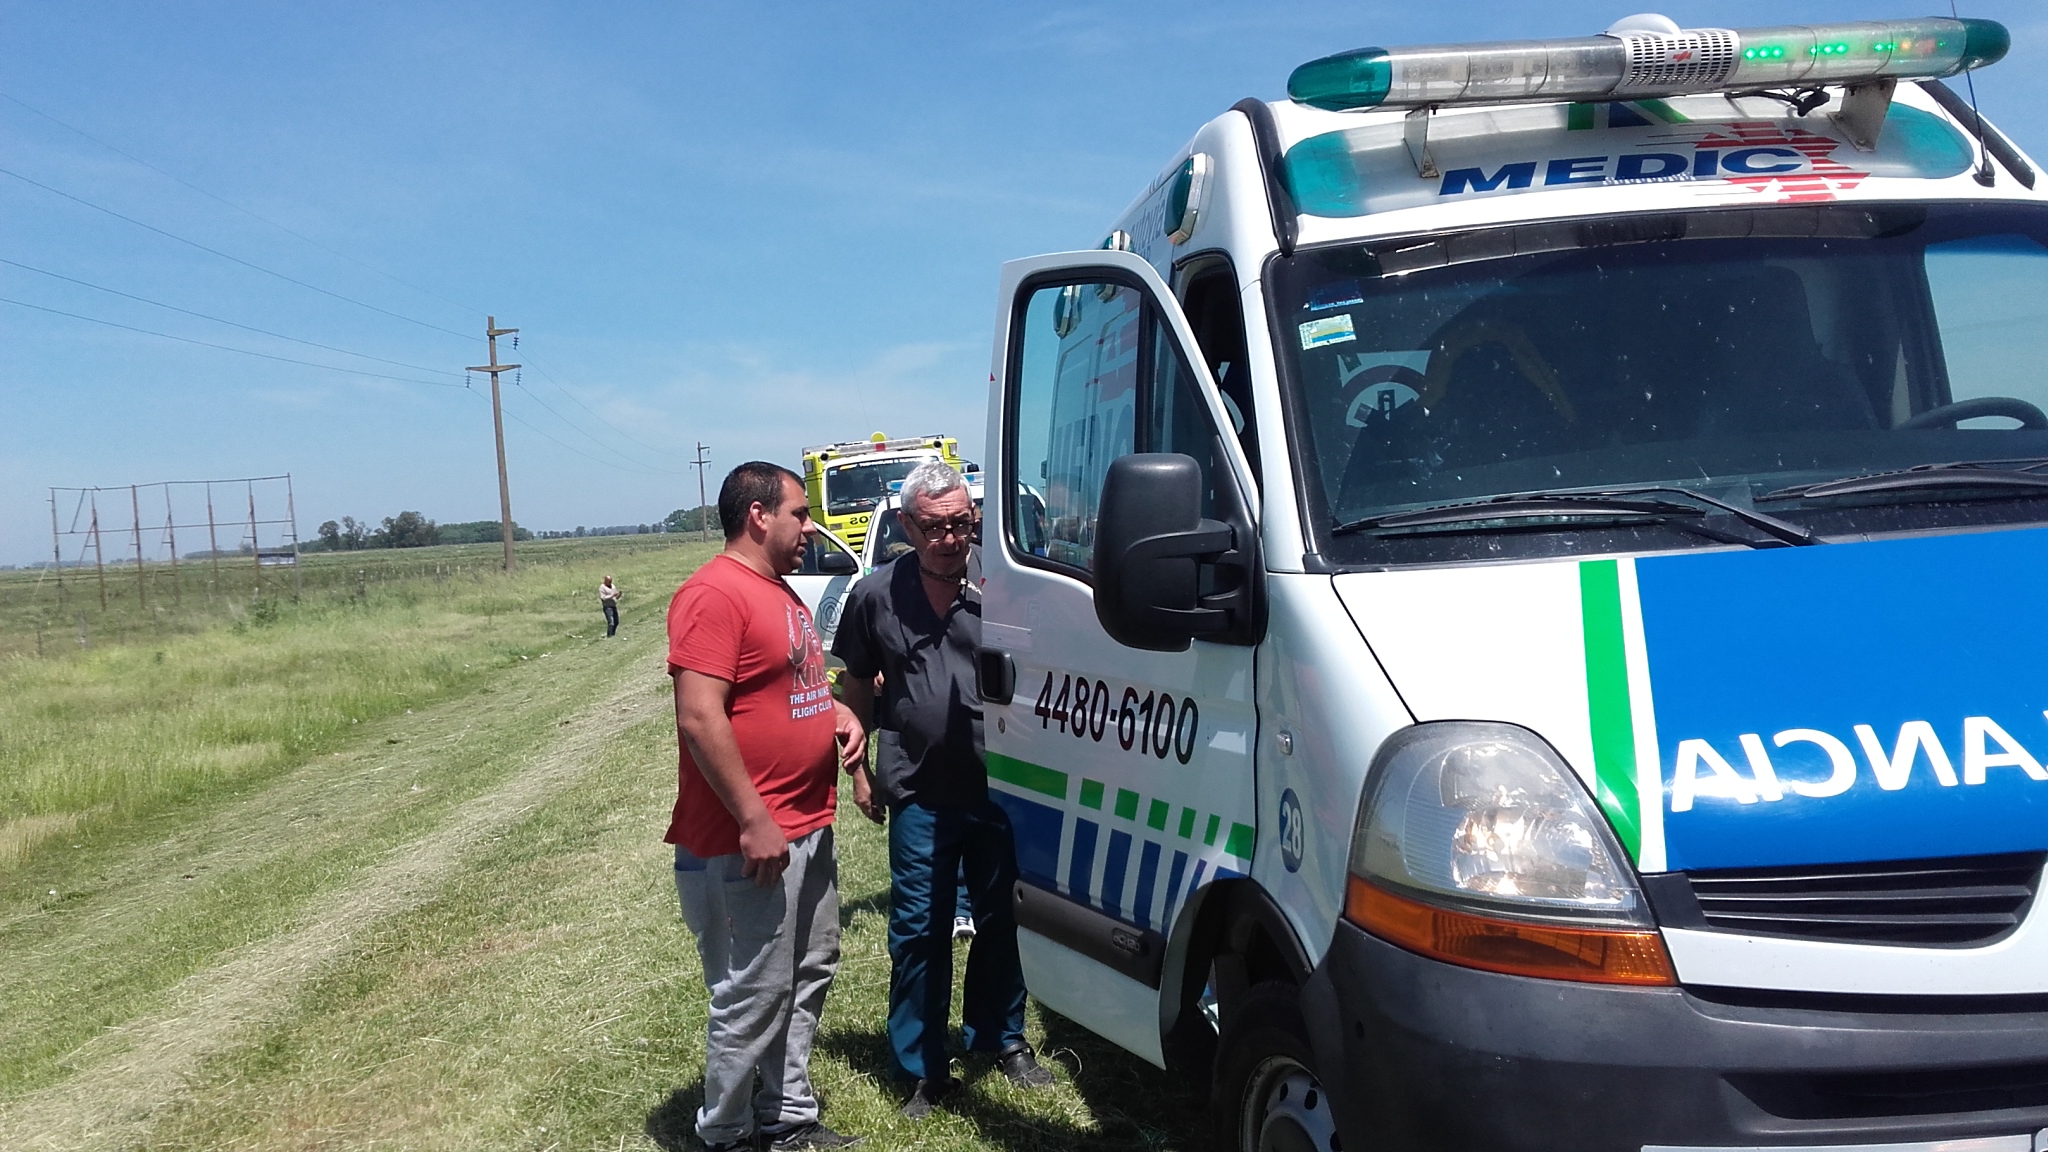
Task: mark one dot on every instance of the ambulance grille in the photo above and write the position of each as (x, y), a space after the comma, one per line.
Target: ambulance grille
(1955, 902)
(1947, 1091)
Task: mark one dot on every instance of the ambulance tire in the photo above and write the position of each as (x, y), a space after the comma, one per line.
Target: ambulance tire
(1266, 1096)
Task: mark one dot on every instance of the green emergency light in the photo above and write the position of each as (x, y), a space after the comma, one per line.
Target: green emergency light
(1647, 56)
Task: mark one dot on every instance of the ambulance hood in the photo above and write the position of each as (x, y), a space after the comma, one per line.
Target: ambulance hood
(1833, 704)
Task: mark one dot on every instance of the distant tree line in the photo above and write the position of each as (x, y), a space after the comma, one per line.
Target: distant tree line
(680, 520)
(608, 530)
(693, 519)
(408, 530)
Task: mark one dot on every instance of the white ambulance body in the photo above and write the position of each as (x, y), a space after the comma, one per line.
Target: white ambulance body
(1514, 602)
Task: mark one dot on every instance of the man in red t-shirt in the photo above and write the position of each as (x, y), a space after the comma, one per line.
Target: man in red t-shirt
(756, 869)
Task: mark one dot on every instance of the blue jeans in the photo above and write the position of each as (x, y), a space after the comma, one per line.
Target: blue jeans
(928, 848)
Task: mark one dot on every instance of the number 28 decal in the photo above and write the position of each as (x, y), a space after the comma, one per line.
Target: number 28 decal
(1153, 726)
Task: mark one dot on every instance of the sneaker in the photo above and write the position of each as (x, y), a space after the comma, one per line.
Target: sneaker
(1022, 1068)
(745, 1145)
(926, 1096)
(963, 927)
(812, 1135)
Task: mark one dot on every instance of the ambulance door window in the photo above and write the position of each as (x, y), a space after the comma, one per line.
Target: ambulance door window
(1216, 317)
(1073, 408)
(1176, 419)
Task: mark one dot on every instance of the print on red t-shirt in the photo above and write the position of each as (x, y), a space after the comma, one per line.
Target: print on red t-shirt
(752, 631)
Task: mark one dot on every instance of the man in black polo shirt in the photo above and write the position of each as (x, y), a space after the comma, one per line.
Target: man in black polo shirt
(916, 622)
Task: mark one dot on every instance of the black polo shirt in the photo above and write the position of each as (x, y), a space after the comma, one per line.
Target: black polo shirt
(928, 716)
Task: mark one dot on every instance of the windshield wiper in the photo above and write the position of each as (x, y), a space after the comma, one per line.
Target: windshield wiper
(1586, 504)
(2015, 477)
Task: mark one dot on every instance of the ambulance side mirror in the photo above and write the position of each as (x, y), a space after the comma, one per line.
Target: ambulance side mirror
(1163, 573)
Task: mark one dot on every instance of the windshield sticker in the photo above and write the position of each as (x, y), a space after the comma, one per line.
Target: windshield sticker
(1368, 169)
(1328, 330)
(1874, 701)
(1384, 381)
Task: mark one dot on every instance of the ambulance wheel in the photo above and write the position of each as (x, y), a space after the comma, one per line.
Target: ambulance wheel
(1267, 1097)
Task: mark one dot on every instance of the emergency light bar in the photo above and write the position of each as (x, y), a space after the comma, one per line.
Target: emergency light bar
(874, 444)
(1646, 56)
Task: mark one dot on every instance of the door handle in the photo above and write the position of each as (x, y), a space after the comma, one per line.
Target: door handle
(995, 675)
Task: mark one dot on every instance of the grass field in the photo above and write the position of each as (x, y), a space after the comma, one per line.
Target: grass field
(384, 871)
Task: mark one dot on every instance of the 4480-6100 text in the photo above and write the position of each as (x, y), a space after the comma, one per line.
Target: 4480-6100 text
(1153, 725)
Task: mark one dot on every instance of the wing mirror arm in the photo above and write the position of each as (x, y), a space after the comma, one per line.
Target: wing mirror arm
(1211, 539)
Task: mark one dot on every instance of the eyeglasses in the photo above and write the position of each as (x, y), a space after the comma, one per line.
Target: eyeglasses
(961, 526)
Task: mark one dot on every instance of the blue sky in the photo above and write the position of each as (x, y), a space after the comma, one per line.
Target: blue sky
(759, 225)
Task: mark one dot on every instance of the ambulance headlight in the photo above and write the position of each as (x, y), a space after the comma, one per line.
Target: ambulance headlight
(1487, 818)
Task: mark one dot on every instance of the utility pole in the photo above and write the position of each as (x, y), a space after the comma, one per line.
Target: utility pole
(99, 558)
(255, 542)
(57, 548)
(703, 517)
(141, 580)
(212, 544)
(171, 531)
(492, 332)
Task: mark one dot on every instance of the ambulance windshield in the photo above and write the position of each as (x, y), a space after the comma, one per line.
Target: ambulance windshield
(1736, 353)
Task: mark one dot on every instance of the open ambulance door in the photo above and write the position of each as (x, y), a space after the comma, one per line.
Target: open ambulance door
(1121, 604)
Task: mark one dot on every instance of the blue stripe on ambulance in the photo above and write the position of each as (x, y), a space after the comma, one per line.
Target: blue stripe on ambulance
(1049, 845)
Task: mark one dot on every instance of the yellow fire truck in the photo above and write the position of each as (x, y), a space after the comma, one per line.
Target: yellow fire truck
(847, 481)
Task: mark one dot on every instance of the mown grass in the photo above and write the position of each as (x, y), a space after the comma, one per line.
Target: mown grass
(551, 999)
(543, 995)
(227, 692)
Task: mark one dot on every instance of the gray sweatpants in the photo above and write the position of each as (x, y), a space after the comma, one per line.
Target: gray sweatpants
(769, 955)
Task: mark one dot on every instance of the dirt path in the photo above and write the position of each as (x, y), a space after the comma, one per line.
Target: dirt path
(124, 1078)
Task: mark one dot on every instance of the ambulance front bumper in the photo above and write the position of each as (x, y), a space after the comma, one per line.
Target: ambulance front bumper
(1420, 1055)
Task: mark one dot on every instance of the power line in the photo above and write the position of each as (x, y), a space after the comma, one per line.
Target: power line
(218, 319)
(564, 390)
(545, 374)
(230, 347)
(576, 451)
(531, 395)
(237, 207)
(233, 259)
(569, 448)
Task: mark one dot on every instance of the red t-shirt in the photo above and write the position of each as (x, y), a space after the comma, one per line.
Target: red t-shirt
(731, 622)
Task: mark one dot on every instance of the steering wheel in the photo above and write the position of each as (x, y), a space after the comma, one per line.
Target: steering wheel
(1948, 415)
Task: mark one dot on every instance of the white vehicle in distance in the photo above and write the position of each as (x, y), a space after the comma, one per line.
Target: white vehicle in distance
(1531, 636)
(886, 538)
(831, 566)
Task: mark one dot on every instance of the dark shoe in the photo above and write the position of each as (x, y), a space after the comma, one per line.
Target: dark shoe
(927, 1095)
(746, 1145)
(1021, 1065)
(812, 1135)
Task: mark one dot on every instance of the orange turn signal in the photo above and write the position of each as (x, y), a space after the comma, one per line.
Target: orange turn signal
(1589, 955)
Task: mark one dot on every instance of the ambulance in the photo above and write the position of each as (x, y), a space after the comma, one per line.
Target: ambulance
(1516, 599)
(846, 481)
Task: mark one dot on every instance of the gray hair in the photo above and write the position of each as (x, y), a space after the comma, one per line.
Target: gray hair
(929, 479)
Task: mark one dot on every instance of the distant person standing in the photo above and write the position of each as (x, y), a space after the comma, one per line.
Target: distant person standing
(917, 622)
(608, 599)
(756, 869)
